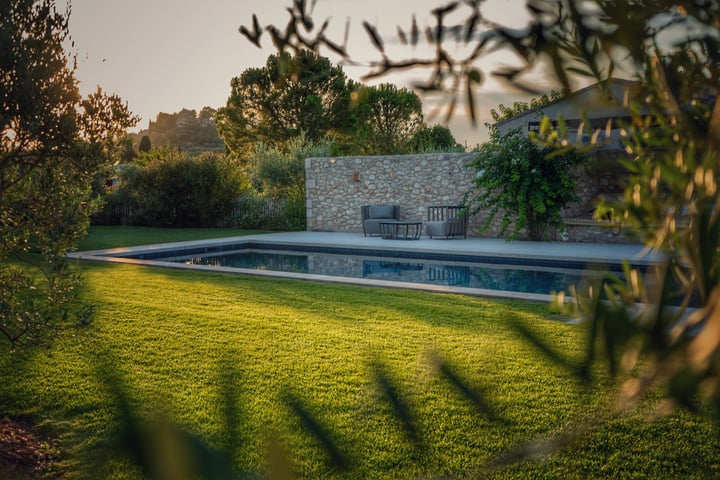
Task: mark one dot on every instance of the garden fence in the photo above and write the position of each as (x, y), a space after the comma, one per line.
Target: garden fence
(258, 213)
(252, 213)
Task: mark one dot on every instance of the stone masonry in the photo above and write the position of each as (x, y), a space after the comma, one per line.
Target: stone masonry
(336, 187)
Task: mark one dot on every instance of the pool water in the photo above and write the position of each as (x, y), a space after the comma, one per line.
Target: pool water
(540, 279)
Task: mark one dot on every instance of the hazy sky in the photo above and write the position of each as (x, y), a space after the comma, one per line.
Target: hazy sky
(165, 55)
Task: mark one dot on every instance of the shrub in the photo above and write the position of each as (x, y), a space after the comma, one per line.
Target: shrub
(280, 172)
(172, 189)
(295, 214)
(527, 184)
(253, 212)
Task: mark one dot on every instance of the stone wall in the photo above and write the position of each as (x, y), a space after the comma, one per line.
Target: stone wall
(336, 187)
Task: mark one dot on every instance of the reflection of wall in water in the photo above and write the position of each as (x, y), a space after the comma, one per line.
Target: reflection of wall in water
(518, 279)
(335, 265)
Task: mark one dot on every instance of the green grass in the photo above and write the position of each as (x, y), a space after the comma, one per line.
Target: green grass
(176, 336)
(101, 237)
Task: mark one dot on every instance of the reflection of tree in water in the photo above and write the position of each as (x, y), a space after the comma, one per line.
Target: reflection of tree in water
(256, 261)
(516, 280)
(384, 268)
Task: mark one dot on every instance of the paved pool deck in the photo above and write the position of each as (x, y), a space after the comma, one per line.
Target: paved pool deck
(491, 247)
(603, 254)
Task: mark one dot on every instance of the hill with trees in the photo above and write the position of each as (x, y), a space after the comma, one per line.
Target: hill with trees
(187, 130)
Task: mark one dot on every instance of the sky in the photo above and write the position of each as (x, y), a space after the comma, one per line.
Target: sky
(166, 55)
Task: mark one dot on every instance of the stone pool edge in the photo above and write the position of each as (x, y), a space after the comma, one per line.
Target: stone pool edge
(589, 253)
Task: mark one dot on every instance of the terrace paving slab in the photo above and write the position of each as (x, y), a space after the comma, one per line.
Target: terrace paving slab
(570, 251)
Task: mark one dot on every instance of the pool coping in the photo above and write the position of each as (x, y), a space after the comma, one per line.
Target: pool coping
(601, 254)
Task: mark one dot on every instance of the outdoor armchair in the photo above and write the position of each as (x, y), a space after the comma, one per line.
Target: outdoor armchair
(372, 215)
(447, 221)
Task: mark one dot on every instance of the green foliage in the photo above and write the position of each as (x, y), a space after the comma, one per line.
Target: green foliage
(291, 95)
(55, 146)
(145, 145)
(125, 151)
(389, 118)
(295, 214)
(186, 130)
(503, 112)
(523, 183)
(171, 188)
(102, 237)
(276, 173)
(280, 172)
(437, 138)
(306, 94)
(253, 211)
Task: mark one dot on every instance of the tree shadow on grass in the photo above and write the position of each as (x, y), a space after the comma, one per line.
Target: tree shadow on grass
(403, 389)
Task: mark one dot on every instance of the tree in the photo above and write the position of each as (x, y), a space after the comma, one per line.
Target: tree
(306, 94)
(144, 145)
(290, 95)
(206, 115)
(389, 118)
(53, 146)
(437, 138)
(672, 199)
(503, 112)
(523, 183)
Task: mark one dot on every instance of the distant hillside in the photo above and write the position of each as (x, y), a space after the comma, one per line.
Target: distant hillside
(186, 130)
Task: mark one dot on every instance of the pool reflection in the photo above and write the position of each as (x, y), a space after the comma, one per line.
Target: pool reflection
(515, 278)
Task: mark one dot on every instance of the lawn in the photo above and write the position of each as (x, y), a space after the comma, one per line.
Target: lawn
(330, 381)
(101, 237)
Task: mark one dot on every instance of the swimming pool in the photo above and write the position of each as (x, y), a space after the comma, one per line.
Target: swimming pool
(456, 272)
(485, 267)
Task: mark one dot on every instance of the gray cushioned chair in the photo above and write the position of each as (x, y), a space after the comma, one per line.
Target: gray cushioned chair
(447, 221)
(372, 215)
